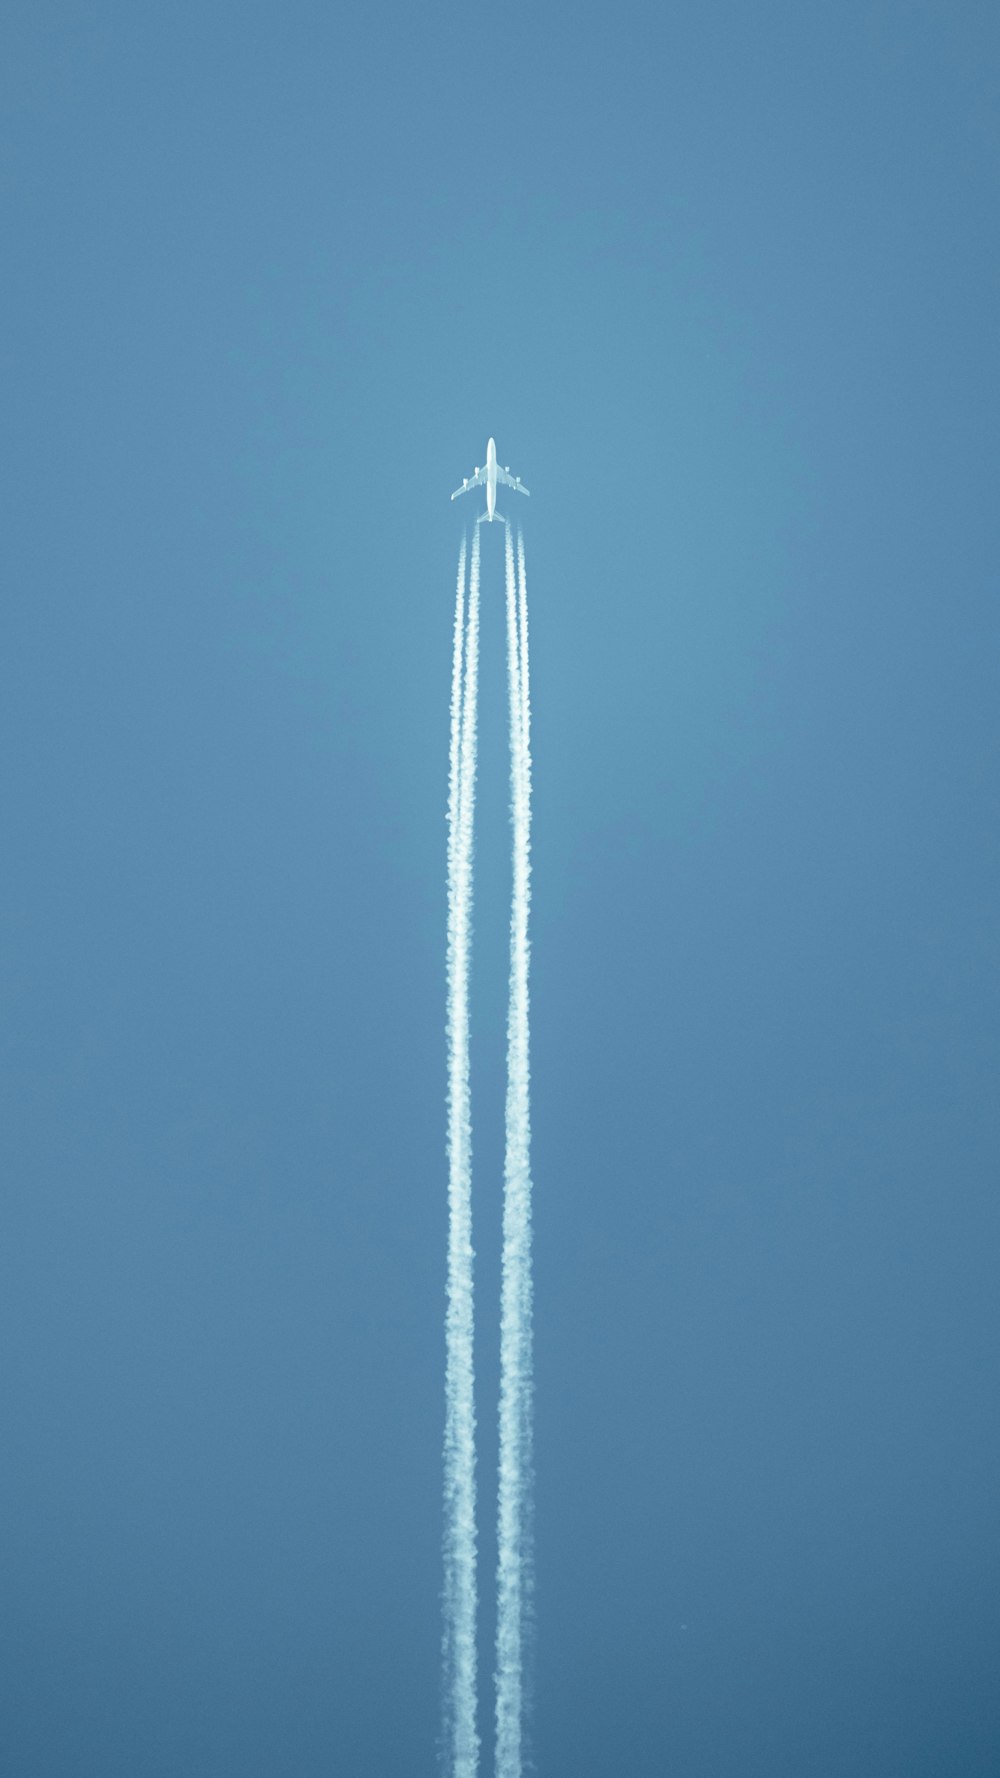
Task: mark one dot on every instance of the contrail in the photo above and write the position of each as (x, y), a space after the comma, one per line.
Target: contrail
(454, 751)
(461, 1738)
(515, 1568)
(522, 580)
(527, 1393)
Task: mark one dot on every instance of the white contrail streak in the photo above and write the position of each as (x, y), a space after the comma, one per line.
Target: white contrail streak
(527, 1393)
(522, 581)
(515, 1569)
(454, 751)
(461, 1737)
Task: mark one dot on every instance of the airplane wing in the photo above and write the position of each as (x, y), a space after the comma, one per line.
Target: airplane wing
(510, 481)
(472, 481)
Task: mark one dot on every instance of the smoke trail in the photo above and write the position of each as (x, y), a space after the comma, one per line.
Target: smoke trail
(515, 1569)
(461, 1739)
(522, 582)
(527, 1393)
(454, 751)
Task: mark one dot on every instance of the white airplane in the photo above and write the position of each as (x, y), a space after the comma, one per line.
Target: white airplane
(488, 477)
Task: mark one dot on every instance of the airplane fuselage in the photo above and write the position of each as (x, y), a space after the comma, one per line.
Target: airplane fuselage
(491, 479)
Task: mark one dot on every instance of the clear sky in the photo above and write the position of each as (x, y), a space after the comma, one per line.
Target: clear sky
(722, 280)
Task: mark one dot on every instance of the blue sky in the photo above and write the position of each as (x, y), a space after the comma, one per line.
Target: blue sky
(722, 282)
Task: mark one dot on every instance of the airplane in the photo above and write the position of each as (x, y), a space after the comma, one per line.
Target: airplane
(488, 477)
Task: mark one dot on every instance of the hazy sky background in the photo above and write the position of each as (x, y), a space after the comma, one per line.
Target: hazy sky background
(722, 280)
